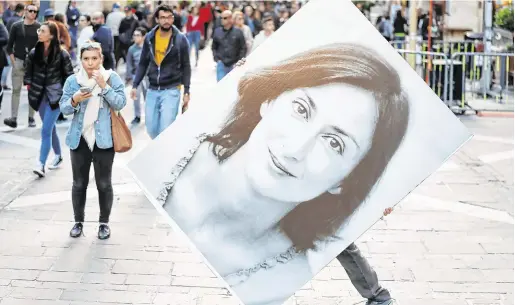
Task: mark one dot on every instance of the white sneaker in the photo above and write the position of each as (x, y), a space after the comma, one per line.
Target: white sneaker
(56, 163)
(39, 171)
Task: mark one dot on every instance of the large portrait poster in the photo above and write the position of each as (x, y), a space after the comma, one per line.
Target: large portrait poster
(298, 152)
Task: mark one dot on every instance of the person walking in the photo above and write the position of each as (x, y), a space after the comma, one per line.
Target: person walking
(133, 58)
(165, 59)
(65, 37)
(400, 29)
(72, 18)
(4, 37)
(103, 35)
(228, 46)
(47, 67)
(113, 21)
(127, 27)
(194, 28)
(89, 95)
(239, 22)
(268, 30)
(85, 30)
(8, 13)
(22, 38)
(385, 27)
(18, 15)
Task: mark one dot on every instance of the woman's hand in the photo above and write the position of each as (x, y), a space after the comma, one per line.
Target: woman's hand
(99, 79)
(241, 62)
(79, 97)
(134, 93)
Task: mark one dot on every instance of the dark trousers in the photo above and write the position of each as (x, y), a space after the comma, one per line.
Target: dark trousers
(108, 61)
(362, 275)
(102, 160)
(117, 52)
(120, 52)
(1, 90)
(206, 29)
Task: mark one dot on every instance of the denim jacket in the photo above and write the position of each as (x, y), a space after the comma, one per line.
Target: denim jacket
(114, 96)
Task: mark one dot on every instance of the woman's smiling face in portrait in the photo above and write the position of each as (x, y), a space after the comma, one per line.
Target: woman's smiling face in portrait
(308, 140)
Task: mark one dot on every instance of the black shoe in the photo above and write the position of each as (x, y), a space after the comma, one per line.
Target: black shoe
(104, 232)
(11, 122)
(40, 171)
(136, 120)
(61, 118)
(32, 122)
(57, 161)
(76, 230)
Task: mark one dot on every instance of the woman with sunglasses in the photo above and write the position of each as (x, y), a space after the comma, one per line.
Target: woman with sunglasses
(46, 69)
(89, 95)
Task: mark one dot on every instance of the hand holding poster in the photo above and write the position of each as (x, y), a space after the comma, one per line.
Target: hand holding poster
(298, 152)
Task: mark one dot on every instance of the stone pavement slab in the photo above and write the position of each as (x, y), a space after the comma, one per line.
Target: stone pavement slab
(450, 242)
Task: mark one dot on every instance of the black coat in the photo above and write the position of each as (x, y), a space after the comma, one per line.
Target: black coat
(175, 68)
(4, 37)
(228, 46)
(42, 72)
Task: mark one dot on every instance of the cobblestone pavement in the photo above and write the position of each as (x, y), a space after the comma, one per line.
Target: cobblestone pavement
(450, 242)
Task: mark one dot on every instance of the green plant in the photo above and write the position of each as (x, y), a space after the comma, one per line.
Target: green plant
(504, 18)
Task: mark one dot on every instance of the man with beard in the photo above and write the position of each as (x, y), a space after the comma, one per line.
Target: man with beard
(165, 60)
(104, 36)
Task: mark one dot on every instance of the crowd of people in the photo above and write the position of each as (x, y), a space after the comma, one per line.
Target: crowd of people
(68, 64)
(395, 26)
(122, 33)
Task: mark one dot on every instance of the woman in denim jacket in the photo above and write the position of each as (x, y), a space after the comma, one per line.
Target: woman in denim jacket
(88, 95)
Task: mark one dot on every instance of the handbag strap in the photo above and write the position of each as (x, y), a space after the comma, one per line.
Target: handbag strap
(112, 110)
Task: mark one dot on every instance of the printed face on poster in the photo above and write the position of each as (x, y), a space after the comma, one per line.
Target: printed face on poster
(297, 153)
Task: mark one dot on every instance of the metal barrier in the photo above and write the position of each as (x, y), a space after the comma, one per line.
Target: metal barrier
(433, 67)
(460, 77)
(439, 46)
(468, 76)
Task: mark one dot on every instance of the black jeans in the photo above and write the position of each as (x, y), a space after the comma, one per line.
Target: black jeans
(102, 160)
(362, 275)
(1, 96)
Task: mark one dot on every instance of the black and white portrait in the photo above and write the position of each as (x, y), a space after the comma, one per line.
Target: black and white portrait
(296, 156)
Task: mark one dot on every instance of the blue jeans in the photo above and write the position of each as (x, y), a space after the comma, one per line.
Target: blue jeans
(399, 41)
(194, 39)
(161, 109)
(49, 135)
(222, 70)
(142, 88)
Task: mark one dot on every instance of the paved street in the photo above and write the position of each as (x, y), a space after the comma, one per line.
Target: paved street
(450, 242)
